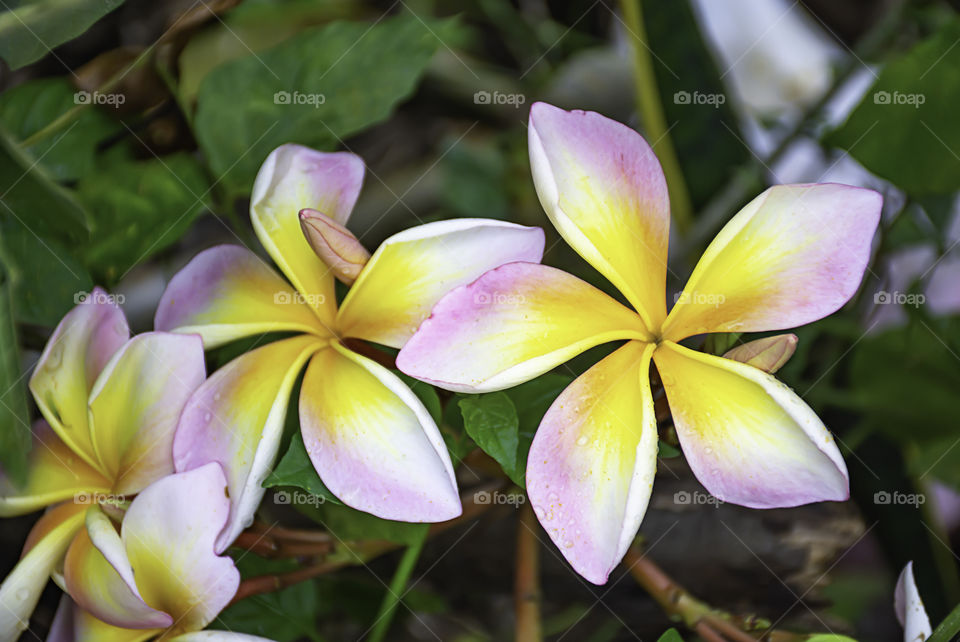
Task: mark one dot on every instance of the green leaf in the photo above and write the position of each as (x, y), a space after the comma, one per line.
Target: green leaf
(29, 29)
(34, 200)
(348, 76)
(69, 153)
(904, 130)
(48, 279)
(350, 524)
(491, 421)
(671, 635)
(15, 435)
(285, 615)
(295, 469)
(666, 451)
(140, 208)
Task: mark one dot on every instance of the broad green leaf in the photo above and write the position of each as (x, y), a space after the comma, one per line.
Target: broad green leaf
(48, 278)
(30, 197)
(904, 130)
(29, 29)
(491, 421)
(315, 88)
(671, 635)
(475, 180)
(295, 469)
(139, 209)
(67, 154)
(15, 433)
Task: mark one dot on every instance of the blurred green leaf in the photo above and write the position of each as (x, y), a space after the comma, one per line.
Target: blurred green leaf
(29, 196)
(671, 635)
(15, 435)
(29, 29)
(315, 88)
(139, 209)
(350, 524)
(48, 277)
(474, 180)
(904, 129)
(285, 615)
(830, 637)
(31, 106)
(295, 469)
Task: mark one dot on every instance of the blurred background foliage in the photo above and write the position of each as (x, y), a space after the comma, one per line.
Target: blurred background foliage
(130, 134)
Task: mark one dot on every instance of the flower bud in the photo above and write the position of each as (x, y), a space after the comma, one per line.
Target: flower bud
(334, 244)
(769, 354)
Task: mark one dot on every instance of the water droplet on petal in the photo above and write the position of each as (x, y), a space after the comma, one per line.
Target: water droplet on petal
(22, 594)
(582, 441)
(207, 416)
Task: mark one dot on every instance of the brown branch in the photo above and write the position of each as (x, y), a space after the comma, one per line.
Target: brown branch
(526, 599)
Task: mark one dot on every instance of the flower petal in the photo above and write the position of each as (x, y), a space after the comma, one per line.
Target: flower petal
(291, 179)
(373, 442)
(54, 473)
(228, 292)
(749, 439)
(99, 577)
(136, 403)
(411, 270)
(793, 255)
(592, 462)
(769, 353)
(909, 607)
(510, 325)
(236, 418)
(169, 533)
(73, 624)
(46, 544)
(603, 189)
(86, 338)
(217, 636)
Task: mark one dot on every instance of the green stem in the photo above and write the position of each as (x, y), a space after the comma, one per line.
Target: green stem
(397, 588)
(651, 112)
(948, 628)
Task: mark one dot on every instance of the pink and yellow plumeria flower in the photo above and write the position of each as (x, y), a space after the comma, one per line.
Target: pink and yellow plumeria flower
(909, 608)
(371, 440)
(111, 405)
(157, 576)
(793, 255)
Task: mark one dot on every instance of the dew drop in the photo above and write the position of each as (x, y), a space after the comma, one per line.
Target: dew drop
(582, 441)
(207, 416)
(708, 450)
(553, 497)
(216, 396)
(568, 544)
(538, 510)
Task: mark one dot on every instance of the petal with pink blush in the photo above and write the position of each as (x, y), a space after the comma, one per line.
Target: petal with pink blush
(603, 189)
(909, 608)
(169, 533)
(793, 255)
(293, 178)
(99, 578)
(592, 462)
(82, 344)
(411, 270)
(748, 438)
(373, 442)
(54, 473)
(236, 418)
(73, 624)
(136, 403)
(511, 325)
(228, 292)
(47, 543)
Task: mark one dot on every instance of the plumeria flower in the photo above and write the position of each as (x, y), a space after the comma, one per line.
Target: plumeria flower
(111, 405)
(371, 440)
(158, 575)
(794, 254)
(909, 608)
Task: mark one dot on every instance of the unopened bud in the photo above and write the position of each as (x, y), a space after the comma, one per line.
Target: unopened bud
(769, 354)
(334, 244)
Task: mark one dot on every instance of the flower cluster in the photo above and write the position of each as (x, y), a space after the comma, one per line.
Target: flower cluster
(151, 470)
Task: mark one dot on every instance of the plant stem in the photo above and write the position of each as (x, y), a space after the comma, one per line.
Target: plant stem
(526, 596)
(651, 112)
(397, 588)
(948, 628)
